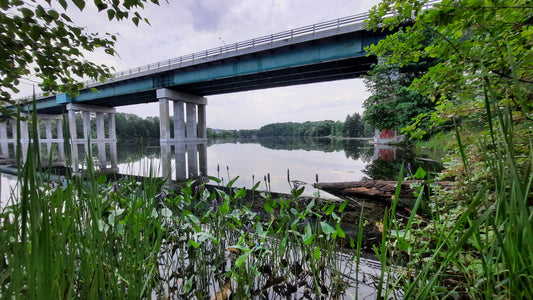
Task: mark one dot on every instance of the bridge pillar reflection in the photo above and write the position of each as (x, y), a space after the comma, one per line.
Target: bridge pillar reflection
(8, 136)
(190, 160)
(101, 139)
(9, 132)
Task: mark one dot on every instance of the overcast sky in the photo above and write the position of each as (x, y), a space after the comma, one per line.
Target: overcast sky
(187, 26)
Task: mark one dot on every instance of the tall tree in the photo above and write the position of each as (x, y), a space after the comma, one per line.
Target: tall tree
(38, 37)
(393, 105)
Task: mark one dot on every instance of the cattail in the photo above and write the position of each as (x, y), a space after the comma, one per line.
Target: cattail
(316, 178)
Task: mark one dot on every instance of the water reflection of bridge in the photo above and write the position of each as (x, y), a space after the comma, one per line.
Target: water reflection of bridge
(180, 159)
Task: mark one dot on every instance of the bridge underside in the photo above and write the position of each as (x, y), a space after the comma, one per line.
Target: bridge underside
(321, 72)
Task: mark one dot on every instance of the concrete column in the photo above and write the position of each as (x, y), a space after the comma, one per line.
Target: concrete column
(59, 127)
(202, 157)
(73, 138)
(113, 154)
(24, 133)
(60, 142)
(4, 146)
(86, 125)
(192, 160)
(202, 117)
(100, 132)
(179, 120)
(100, 136)
(192, 131)
(25, 139)
(48, 128)
(48, 134)
(181, 164)
(165, 162)
(164, 124)
(112, 127)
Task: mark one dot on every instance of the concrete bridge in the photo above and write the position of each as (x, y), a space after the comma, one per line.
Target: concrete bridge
(320, 52)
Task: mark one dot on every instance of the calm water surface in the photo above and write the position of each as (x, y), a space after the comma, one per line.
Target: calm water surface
(332, 160)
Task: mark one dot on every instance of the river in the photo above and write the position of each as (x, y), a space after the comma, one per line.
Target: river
(256, 159)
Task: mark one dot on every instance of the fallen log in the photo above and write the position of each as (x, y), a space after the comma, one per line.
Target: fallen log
(381, 189)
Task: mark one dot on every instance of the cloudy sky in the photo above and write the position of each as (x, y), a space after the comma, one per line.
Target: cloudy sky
(187, 26)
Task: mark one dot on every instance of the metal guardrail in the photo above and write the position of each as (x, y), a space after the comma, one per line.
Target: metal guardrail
(248, 44)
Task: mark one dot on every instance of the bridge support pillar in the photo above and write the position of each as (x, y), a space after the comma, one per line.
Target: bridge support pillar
(8, 135)
(189, 139)
(189, 122)
(49, 138)
(101, 139)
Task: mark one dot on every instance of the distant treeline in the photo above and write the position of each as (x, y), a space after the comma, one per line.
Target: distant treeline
(353, 126)
(130, 126)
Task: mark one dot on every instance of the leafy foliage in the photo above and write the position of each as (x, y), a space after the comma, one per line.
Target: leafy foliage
(393, 105)
(474, 41)
(39, 38)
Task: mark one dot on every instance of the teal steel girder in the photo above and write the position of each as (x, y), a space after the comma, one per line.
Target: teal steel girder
(311, 53)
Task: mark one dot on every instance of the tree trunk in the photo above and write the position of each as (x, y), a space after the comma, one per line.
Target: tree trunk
(379, 189)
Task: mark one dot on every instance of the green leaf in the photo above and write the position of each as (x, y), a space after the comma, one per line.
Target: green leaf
(330, 209)
(283, 245)
(80, 4)
(326, 228)
(241, 259)
(267, 206)
(193, 243)
(316, 255)
(308, 235)
(339, 231)
(343, 206)
(54, 14)
(188, 285)
(101, 179)
(420, 173)
(214, 179)
(256, 185)
(110, 14)
(26, 12)
(165, 212)
(241, 193)
(230, 184)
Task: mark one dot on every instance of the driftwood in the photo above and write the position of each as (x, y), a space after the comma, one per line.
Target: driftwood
(380, 189)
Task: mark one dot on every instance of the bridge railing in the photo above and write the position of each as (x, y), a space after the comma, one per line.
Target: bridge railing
(268, 39)
(284, 35)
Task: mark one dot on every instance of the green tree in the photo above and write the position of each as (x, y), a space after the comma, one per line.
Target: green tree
(477, 42)
(353, 126)
(393, 105)
(38, 37)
